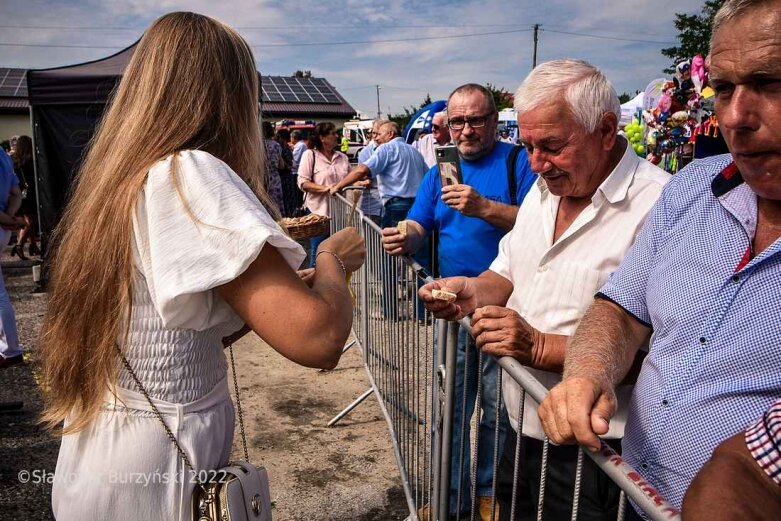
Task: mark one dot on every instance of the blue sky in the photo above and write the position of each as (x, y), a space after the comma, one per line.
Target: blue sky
(416, 46)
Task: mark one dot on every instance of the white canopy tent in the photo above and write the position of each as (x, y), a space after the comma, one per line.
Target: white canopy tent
(629, 109)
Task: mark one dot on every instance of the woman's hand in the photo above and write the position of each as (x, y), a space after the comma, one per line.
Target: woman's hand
(349, 246)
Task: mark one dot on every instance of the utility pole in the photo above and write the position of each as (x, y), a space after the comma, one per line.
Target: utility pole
(379, 114)
(534, 57)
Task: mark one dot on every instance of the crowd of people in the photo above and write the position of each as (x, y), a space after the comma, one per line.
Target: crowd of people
(646, 303)
(655, 296)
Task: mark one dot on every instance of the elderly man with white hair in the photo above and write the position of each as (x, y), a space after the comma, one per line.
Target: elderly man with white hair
(439, 136)
(572, 230)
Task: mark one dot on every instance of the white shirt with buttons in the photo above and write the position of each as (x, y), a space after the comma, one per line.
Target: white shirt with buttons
(554, 283)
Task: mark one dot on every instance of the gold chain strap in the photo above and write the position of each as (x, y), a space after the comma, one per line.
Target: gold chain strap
(238, 405)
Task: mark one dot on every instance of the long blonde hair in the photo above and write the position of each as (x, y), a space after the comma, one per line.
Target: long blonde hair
(191, 84)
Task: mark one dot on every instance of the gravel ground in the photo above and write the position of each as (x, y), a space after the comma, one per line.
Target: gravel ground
(317, 473)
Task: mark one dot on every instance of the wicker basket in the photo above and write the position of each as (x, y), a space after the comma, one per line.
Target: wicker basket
(307, 226)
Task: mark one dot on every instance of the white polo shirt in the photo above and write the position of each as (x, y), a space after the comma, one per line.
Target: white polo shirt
(554, 283)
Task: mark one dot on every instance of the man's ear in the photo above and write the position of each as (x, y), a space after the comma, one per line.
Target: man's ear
(608, 128)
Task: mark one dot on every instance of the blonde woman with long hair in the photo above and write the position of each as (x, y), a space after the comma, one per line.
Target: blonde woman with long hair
(190, 251)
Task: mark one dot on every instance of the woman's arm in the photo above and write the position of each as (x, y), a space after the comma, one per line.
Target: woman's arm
(309, 186)
(307, 326)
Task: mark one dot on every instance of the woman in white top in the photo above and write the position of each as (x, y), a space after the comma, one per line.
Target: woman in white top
(190, 252)
(321, 167)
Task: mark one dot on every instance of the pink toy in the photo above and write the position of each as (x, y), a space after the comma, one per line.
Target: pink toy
(665, 100)
(699, 75)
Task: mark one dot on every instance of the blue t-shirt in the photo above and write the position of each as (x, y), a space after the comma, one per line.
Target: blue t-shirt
(7, 178)
(468, 245)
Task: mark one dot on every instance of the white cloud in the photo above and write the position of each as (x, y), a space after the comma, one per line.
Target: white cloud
(405, 70)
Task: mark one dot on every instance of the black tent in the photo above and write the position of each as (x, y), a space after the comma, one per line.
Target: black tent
(66, 104)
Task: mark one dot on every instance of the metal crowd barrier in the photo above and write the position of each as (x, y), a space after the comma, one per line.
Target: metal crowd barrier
(396, 338)
(411, 371)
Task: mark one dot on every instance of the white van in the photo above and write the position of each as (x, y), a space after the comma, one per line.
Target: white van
(357, 132)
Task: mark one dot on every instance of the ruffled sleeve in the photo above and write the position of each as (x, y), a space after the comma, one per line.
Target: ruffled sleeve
(185, 251)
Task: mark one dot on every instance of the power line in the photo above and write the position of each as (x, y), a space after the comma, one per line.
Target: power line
(340, 26)
(264, 27)
(417, 89)
(302, 44)
(61, 46)
(602, 37)
(364, 42)
(393, 40)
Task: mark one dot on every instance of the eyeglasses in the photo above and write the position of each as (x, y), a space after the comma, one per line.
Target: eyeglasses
(434, 128)
(474, 122)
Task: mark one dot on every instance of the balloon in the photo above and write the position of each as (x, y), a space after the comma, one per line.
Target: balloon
(680, 117)
(699, 75)
(665, 101)
(653, 158)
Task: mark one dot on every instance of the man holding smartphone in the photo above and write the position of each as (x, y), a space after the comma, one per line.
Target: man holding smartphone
(471, 218)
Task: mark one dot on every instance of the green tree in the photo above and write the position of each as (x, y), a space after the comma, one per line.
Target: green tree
(502, 98)
(693, 34)
(403, 118)
(623, 98)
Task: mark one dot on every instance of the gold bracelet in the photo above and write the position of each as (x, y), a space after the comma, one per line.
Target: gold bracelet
(335, 256)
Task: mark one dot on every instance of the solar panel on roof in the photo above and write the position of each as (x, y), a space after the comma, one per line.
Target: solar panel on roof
(13, 82)
(298, 90)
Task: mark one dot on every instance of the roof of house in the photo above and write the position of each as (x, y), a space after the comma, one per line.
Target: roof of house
(290, 95)
(280, 95)
(13, 90)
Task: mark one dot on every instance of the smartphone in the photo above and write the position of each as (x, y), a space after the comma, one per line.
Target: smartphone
(449, 165)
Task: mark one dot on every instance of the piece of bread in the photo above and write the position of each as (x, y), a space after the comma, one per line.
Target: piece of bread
(402, 227)
(441, 294)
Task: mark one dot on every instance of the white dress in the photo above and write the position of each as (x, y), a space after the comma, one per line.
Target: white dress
(123, 466)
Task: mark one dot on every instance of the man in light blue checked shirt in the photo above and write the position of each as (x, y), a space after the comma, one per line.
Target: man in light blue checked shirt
(371, 203)
(702, 283)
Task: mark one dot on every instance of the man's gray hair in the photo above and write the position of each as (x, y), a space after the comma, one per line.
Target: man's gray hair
(377, 123)
(391, 125)
(583, 87)
(732, 9)
(442, 113)
(296, 135)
